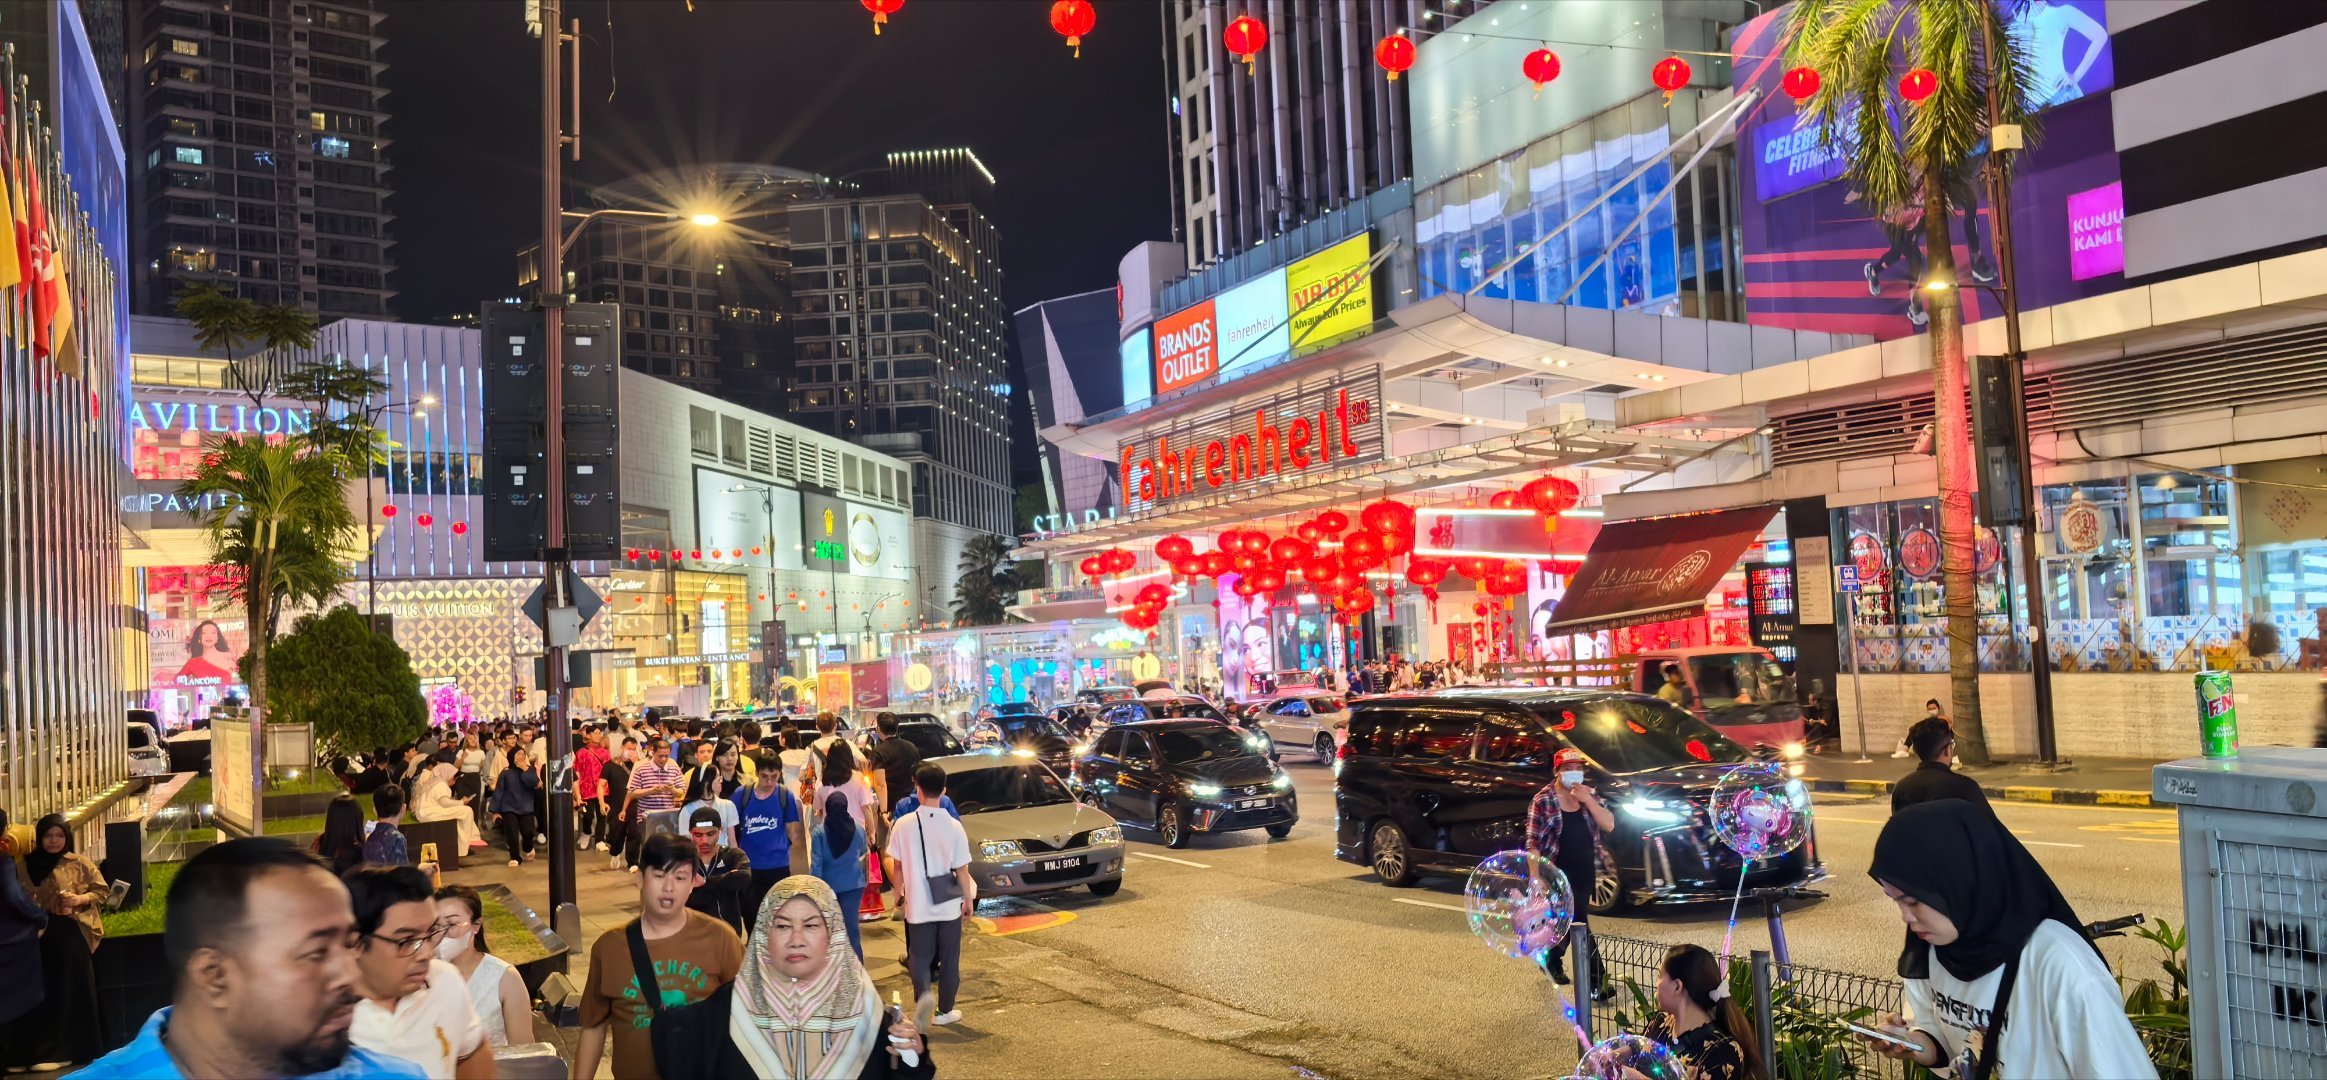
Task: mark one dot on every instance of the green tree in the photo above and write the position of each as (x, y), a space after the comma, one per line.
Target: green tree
(354, 685)
(1861, 48)
(251, 336)
(987, 583)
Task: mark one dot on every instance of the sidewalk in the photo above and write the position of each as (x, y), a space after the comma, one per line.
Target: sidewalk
(2087, 782)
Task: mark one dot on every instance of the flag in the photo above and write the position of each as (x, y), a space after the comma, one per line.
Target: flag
(66, 343)
(11, 268)
(41, 267)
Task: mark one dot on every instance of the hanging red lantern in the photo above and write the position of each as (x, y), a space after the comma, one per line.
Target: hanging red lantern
(1425, 572)
(654, 555)
(1072, 19)
(1472, 567)
(1540, 67)
(1174, 548)
(1395, 54)
(1363, 549)
(388, 511)
(1089, 566)
(718, 554)
(1217, 563)
(1332, 521)
(1348, 582)
(881, 10)
(1254, 542)
(1155, 592)
(630, 554)
(1290, 551)
(1308, 532)
(1387, 515)
(1122, 561)
(1246, 564)
(424, 519)
(1918, 85)
(1801, 83)
(460, 528)
(1245, 38)
(1269, 581)
(1356, 603)
(1504, 500)
(677, 555)
(1395, 544)
(755, 549)
(1670, 74)
(1246, 588)
(1321, 570)
(1479, 609)
(1551, 495)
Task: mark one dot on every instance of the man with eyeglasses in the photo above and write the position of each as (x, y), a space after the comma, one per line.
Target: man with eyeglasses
(414, 1006)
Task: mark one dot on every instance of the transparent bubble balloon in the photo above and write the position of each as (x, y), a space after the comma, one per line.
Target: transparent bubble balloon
(1639, 1053)
(1519, 904)
(1760, 811)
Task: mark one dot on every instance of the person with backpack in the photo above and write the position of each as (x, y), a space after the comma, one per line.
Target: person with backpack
(384, 843)
(685, 954)
(769, 825)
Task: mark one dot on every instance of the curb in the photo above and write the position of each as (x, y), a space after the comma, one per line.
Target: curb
(2009, 793)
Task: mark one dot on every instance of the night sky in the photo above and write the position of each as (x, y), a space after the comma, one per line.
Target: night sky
(1077, 150)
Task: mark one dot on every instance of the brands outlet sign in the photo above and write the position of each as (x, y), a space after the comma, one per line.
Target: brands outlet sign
(1257, 443)
(1293, 310)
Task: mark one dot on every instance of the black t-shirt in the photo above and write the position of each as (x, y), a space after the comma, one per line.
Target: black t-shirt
(1575, 856)
(897, 758)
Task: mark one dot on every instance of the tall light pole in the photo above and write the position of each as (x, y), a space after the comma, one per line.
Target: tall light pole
(554, 141)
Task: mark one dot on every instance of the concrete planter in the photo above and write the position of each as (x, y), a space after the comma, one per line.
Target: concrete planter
(532, 971)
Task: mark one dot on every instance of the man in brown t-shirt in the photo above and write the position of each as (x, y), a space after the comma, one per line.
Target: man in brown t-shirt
(693, 954)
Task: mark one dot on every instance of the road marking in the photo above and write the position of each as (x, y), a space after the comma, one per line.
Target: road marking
(2143, 825)
(1169, 859)
(1429, 904)
(2050, 843)
(2147, 840)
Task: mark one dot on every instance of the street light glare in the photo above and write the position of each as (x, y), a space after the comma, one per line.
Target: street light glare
(703, 220)
(428, 399)
(1938, 285)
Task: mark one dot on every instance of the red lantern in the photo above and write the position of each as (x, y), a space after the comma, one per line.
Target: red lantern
(763, 596)
(1801, 83)
(1357, 603)
(1395, 54)
(1348, 582)
(1551, 495)
(1363, 549)
(424, 519)
(677, 555)
(1425, 572)
(388, 511)
(1216, 563)
(1504, 500)
(1269, 581)
(1072, 19)
(1154, 592)
(1290, 551)
(1670, 74)
(1479, 609)
(1246, 588)
(1540, 67)
(881, 10)
(1119, 560)
(1472, 567)
(1245, 37)
(695, 555)
(460, 528)
(1388, 515)
(1246, 564)
(1396, 543)
(1332, 521)
(718, 554)
(1089, 566)
(1308, 531)
(1321, 571)
(1174, 548)
(654, 555)
(630, 554)
(1918, 85)
(755, 549)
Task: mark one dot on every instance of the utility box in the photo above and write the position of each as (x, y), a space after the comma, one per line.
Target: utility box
(2254, 888)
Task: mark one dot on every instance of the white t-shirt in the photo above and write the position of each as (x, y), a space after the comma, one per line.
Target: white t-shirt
(2066, 1019)
(949, 849)
(433, 1027)
(860, 800)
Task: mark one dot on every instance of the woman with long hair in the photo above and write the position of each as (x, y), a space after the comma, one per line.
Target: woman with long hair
(495, 988)
(468, 783)
(72, 890)
(209, 659)
(341, 843)
(1700, 1021)
(802, 1007)
(2000, 978)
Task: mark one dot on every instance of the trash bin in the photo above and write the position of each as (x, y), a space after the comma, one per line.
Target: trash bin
(2253, 851)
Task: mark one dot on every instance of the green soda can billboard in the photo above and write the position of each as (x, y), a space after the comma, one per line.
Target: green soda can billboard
(2217, 715)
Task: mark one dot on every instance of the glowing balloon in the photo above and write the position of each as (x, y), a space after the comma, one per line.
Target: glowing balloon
(1760, 811)
(1638, 1053)
(1519, 904)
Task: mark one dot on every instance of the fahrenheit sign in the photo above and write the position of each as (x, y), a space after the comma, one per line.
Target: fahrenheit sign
(1255, 443)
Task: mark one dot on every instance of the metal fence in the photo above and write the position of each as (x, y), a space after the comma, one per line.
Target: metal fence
(1808, 1006)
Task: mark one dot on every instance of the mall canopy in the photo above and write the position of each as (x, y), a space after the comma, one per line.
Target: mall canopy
(1651, 569)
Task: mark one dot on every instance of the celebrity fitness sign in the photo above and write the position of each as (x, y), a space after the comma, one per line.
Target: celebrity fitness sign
(1338, 422)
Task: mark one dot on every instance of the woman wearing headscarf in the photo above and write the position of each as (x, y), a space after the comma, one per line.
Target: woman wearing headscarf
(72, 890)
(836, 856)
(803, 1006)
(432, 800)
(1986, 926)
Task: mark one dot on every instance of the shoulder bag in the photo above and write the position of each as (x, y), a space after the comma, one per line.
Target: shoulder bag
(943, 886)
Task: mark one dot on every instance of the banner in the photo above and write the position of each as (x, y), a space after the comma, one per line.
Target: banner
(1338, 279)
(870, 684)
(187, 653)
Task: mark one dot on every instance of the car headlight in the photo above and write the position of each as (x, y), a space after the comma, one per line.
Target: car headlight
(1648, 809)
(992, 850)
(1108, 834)
(1203, 791)
(1257, 742)
(1283, 782)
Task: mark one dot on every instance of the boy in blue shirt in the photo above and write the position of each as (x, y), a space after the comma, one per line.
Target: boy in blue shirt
(768, 826)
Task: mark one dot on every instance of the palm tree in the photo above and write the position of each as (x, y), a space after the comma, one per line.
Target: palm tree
(988, 576)
(231, 324)
(277, 516)
(1860, 49)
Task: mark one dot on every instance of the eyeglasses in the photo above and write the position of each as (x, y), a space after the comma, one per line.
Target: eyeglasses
(412, 946)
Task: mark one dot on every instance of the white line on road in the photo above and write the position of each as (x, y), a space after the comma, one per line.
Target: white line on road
(2050, 843)
(1169, 859)
(2147, 840)
(1428, 904)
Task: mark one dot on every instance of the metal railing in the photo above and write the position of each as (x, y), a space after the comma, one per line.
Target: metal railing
(1307, 238)
(1808, 1006)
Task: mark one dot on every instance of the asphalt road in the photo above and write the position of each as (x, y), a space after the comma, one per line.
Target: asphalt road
(1242, 956)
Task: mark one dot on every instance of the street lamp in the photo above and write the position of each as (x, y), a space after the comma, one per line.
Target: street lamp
(876, 602)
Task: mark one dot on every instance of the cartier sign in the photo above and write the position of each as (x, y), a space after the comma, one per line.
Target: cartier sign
(1307, 428)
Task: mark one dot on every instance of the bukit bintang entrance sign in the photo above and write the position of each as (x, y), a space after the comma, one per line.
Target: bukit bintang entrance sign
(1256, 443)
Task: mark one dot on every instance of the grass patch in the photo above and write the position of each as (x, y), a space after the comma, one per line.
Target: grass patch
(146, 918)
(195, 793)
(310, 782)
(509, 937)
(310, 823)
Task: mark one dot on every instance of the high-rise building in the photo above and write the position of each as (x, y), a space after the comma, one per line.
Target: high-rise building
(257, 155)
(1313, 126)
(1073, 371)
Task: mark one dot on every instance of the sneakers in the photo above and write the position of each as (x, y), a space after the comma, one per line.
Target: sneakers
(602, 846)
(1900, 754)
(614, 863)
(1874, 280)
(944, 1018)
(512, 862)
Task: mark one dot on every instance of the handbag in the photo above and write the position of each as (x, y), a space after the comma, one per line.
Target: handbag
(943, 887)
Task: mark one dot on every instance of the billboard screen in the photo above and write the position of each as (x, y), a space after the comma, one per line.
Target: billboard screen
(732, 514)
(1338, 274)
(1137, 358)
(1251, 318)
(1187, 348)
(1816, 259)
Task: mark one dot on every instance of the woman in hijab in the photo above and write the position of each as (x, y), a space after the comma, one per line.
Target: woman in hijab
(802, 1008)
(72, 890)
(1986, 926)
(432, 800)
(836, 856)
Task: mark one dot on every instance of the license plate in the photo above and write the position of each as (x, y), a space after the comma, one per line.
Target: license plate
(1252, 804)
(1061, 864)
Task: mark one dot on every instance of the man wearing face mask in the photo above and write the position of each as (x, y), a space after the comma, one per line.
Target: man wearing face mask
(1564, 824)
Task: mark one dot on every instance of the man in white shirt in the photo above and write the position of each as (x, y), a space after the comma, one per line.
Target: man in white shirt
(414, 1006)
(927, 842)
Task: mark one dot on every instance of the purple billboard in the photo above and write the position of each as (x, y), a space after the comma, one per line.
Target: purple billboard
(1817, 259)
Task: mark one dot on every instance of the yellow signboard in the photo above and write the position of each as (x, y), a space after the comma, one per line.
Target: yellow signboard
(1341, 284)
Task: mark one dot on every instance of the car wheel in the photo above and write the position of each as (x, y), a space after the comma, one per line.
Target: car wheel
(1325, 749)
(1171, 827)
(1607, 884)
(1107, 888)
(1280, 830)
(1386, 849)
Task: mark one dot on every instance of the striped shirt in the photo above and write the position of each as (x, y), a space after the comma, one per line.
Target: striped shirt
(651, 774)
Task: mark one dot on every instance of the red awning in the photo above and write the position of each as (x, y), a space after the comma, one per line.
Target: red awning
(1652, 569)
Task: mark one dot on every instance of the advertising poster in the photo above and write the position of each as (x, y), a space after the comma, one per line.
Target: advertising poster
(1187, 348)
(1251, 317)
(870, 684)
(193, 653)
(734, 515)
(823, 532)
(1337, 280)
(1133, 355)
(1817, 259)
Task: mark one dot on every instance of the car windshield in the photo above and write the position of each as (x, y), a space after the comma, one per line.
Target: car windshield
(1184, 710)
(1004, 787)
(1626, 735)
(1183, 745)
(1740, 679)
(1021, 728)
(931, 740)
(1015, 708)
(1325, 704)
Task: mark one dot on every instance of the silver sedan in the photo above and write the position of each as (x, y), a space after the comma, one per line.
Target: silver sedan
(1028, 833)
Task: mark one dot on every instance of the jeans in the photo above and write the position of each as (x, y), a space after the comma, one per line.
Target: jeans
(938, 946)
(849, 900)
(517, 833)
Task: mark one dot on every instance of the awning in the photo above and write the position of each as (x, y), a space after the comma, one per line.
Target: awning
(1651, 569)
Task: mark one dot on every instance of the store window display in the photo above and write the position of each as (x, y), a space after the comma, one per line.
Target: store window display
(1899, 620)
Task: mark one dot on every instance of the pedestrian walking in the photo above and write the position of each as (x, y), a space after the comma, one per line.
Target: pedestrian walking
(802, 1006)
(768, 826)
(614, 800)
(656, 787)
(722, 873)
(237, 910)
(1933, 740)
(1700, 1021)
(495, 988)
(1564, 823)
(590, 787)
(516, 796)
(1999, 977)
(929, 859)
(837, 858)
(667, 957)
(410, 1004)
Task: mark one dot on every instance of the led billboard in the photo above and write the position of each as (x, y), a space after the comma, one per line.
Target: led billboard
(1331, 294)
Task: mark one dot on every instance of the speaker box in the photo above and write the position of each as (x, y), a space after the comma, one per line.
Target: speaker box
(125, 858)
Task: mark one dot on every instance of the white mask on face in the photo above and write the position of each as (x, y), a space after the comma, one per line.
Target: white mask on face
(449, 948)
(1572, 777)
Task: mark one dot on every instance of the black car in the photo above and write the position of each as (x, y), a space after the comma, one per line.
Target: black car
(1183, 777)
(1044, 736)
(926, 734)
(1185, 707)
(1439, 781)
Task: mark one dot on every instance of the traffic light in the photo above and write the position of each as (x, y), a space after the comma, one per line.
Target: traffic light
(516, 523)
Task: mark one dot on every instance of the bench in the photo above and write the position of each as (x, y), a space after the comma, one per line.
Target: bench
(446, 835)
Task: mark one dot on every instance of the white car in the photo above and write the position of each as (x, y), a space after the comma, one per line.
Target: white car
(146, 755)
(1311, 720)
